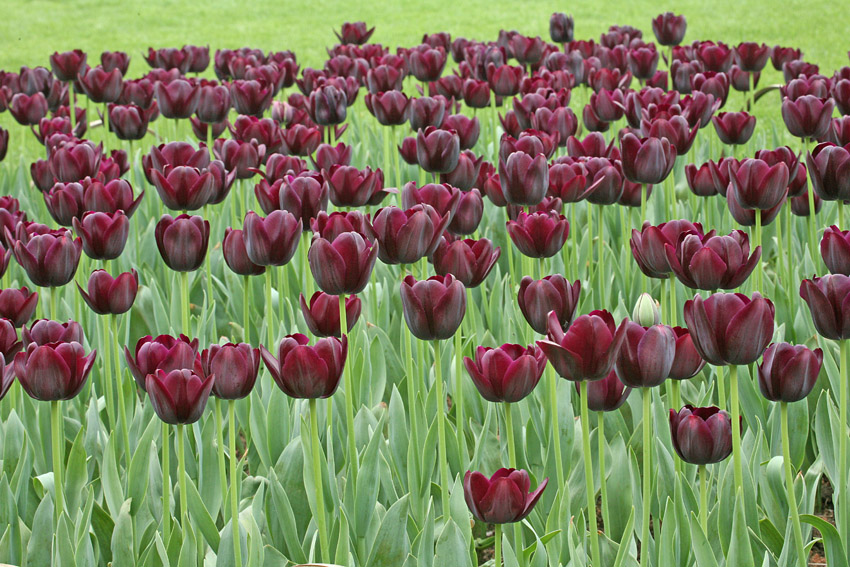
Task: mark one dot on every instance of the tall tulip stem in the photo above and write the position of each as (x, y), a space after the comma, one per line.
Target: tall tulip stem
(208, 268)
(181, 479)
(736, 428)
(840, 213)
(106, 371)
(219, 439)
(458, 399)
(210, 142)
(441, 428)
(166, 482)
(812, 230)
(349, 390)
(760, 269)
(721, 387)
(588, 477)
(512, 460)
(269, 308)
(643, 202)
(703, 499)
(58, 436)
(497, 554)
(122, 407)
(317, 480)
(600, 251)
(556, 424)
(676, 404)
(54, 304)
(843, 500)
(246, 309)
(105, 124)
(603, 484)
(646, 396)
(789, 486)
(234, 483)
(184, 294)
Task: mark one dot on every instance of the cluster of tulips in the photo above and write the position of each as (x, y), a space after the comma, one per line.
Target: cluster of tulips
(324, 231)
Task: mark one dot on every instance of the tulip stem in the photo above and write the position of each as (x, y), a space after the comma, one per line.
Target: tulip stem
(58, 435)
(703, 499)
(676, 404)
(386, 136)
(512, 460)
(184, 292)
(840, 213)
(458, 401)
(760, 271)
(166, 482)
(600, 251)
(603, 483)
(721, 387)
(246, 309)
(789, 250)
(736, 428)
(210, 142)
(181, 479)
(122, 408)
(234, 483)
(269, 308)
(556, 424)
(811, 196)
(106, 369)
(72, 101)
(349, 390)
(105, 124)
(283, 291)
(441, 428)
(304, 246)
(497, 539)
(219, 439)
(317, 480)
(642, 202)
(844, 502)
(208, 268)
(646, 396)
(573, 253)
(789, 486)
(588, 477)
(54, 304)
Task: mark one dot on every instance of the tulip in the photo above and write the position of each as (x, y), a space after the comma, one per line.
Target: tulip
(781, 55)
(758, 185)
(425, 111)
(45, 331)
(111, 197)
(539, 235)
(327, 106)
(241, 158)
(301, 140)
(807, 116)
(251, 97)
(406, 236)
(182, 241)
(470, 211)
(100, 85)
(179, 396)
(468, 129)
(213, 103)
(788, 373)
(17, 305)
(588, 348)
(272, 241)
(835, 250)
(437, 151)
(28, 110)
(50, 260)
(9, 346)
(826, 297)
(354, 33)
(65, 202)
(304, 197)
(330, 226)
(505, 374)
(503, 498)
(68, 64)
(608, 394)
(701, 436)
(649, 245)
(552, 294)
(426, 64)
(829, 170)
(643, 62)
(675, 130)
(322, 313)
(465, 175)
(177, 99)
(162, 353)
(669, 29)
(111, 296)
(524, 178)
(328, 156)
(734, 128)
(390, 107)
(103, 235)
(712, 262)
(236, 254)
(351, 187)
(342, 266)
(470, 261)
(504, 80)
(4, 143)
(235, 367)
(647, 160)
(476, 94)
(54, 371)
(561, 28)
(73, 161)
(433, 308)
(304, 371)
(443, 198)
(128, 122)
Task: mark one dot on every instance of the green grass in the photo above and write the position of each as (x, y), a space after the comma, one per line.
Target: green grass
(32, 30)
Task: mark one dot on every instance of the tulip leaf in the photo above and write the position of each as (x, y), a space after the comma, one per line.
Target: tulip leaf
(287, 519)
(452, 548)
(112, 491)
(64, 545)
(391, 545)
(76, 474)
(836, 555)
(366, 493)
(625, 543)
(740, 551)
(702, 548)
(122, 537)
(188, 548)
(201, 517)
(40, 546)
(137, 483)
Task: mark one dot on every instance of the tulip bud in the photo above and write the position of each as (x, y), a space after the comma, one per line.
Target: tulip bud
(607, 394)
(272, 241)
(646, 312)
(433, 308)
(597, 339)
(501, 499)
(107, 295)
(179, 396)
(55, 371)
(701, 436)
(304, 371)
(162, 353)
(103, 235)
(51, 259)
(235, 367)
(322, 314)
(182, 241)
(788, 373)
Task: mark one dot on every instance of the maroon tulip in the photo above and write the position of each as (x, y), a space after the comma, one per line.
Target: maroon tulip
(781, 55)
(51, 259)
(504, 80)
(470, 261)
(177, 99)
(390, 107)
(328, 156)
(322, 314)
(712, 262)
(251, 97)
(476, 94)
(552, 294)
(304, 197)
(426, 64)
(675, 130)
(128, 122)
(751, 57)
(45, 331)
(567, 182)
(179, 396)
(827, 300)
(501, 499)
(351, 187)
(67, 65)
(608, 394)
(730, 328)
(835, 250)
(342, 266)
(383, 78)
(213, 103)
(28, 110)
(465, 175)
(808, 116)
(4, 143)
(646, 357)
(272, 241)
(9, 343)
(524, 178)
(648, 245)
(182, 241)
(701, 436)
(110, 197)
(437, 151)
(687, 361)
(174, 154)
(235, 367)
(539, 235)
(669, 29)
(647, 160)
(183, 187)
(505, 374)
(354, 33)
(561, 28)
(425, 111)
(240, 158)
(734, 127)
(107, 295)
(65, 202)
(327, 105)
(433, 308)
(588, 349)
(103, 235)
(73, 161)
(55, 371)
(444, 198)
(17, 305)
(829, 170)
(100, 85)
(304, 371)
(165, 353)
(788, 372)
(236, 255)
(406, 236)
(470, 211)
(301, 140)
(330, 226)
(758, 185)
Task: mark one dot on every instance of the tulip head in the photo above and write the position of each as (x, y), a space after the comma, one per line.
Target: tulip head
(433, 308)
(182, 241)
(235, 367)
(108, 295)
(827, 298)
(322, 313)
(587, 350)
(503, 498)
(701, 436)
(307, 371)
(54, 371)
(789, 372)
(180, 396)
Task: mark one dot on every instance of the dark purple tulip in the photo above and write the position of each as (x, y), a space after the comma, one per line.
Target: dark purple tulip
(593, 145)
(17, 305)
(301, 140)
(390, 107)
(643, 62)
(647, 160)
(437, 151)
(329, 226)
(103, 235)
(561, 28)
(263, 131)
(307, 371)
(470, 211)
(182, 241)
(50, 260)
(648, 245)
(747, 217)
(605, 181)
(758, 185)
(28, 110)
(342, 266)
(4, 143)
(687, 361)
(829, 170)
(9, 343)
(675, 130)
(669, 29)
(116, 195)
(235, 367)
(751, 56)
(425, 111)
(841, 95)
(607, 106)
(470, 261)
(645, 359)
(835, 250)
(797, 175)
(406, 236)
(552, 294)
(236, 255)
(328, 156)
(128, 122)
(74, 161)
(174, 154)
(183, 187)
(101, 85)
(701, 436)
(608, 394)
(45, 331)
(730, 328)
(272, 241)
(781, 55)
(524, 178)
(55, 371)
(322, 314)
(716, 57)
(539, 235)
(808, 116)
(444, 198)
(468, 129)
(67, 65)
(240, 158)
(165, 353)
(503, 498)
(567, 182)
(65, 202)
(504, 80)
(384, 78)
(505, 374)
(433, 308)
(177, 99)
(179, 396)
(354, 33)
(108, 295)
(213, 103)
(588, 349)
(327, 105)
(734, 127)
(426, 64)
(475, 93)
(788, 372)
(251, 97)
(139, 92)
(827, 298)
(304, 197)
(351, 187)
(712, 262)
(465, 175)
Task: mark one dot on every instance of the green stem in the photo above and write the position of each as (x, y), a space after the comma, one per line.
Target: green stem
(603, 483)
(642, 203)
(166, 482)
(458, 401)
(105, 372)
(498, 551)
(317, 479)
(646, 396)
(721, 387)
(283, 291)
(556, 424)
(588, 477)
(703, 499)
(105, 124)
(54, 304)
(789, 250)
(122, 407)
(234, 483)
(210, 142)
(676, 402)
(844, 501)
(269, 309)
(512, 460)
(789, 486)
(56, 427)
(840, 213)
(812, 231)
(599, 271)
(349, 391)
(736, 429)
(246, 309)
(181, 478)
(208, 267)
(572, 251)
(184, 292)
(441, 429)
(219, 439)
(760, 269)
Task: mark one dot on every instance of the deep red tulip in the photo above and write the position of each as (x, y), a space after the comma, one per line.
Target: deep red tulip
(384, 78)
(328, 156)
(179, 396)
(561, 28)
(390, 107)
(687, 361)
(567, 182)
(781, 55)
(734, 127)
(406, 236)
(788, 372)
(355, 33)
(103, 235)
(444, 198)
(327, 105)
(307, 371)
(352, 187)
(701, 436)
(426, 64)
(110, 197)
(747, 217)
(608, 394)
(101, 85)
(758, 185)
(162, 353)
(505, 374)
(235, 367)
(808, 116)
(646, 357)
(183, 187)
(128, 122)
(174, 154)
(213, 103)
(273, 240)
(236, 255)
(304, 197)
(45, 331)
(9, 343)
(648, 245)
(470, 211)
(468, 129)
(241, 158)
(262, 131)
(68, 64)
(425, 111)
(504, 80)
(539, 235)
(342, 266)
(605, 181)
(437, 151)
(17, 305)
(108, 295)
(712, 262)
(470, 261)
(829, 170)
(827, 300)
(730, 328)
(74, 161)
(524, 178)
(182, 241)
(647, 160)
(552, 294)
(433, 308)
(675, 130)
(669, 29)
(329, 226)
(588, 348)
(322, 313)
(28, 110)
(751, 56)
(278, 166)
(835, 250)
(465, 175)
(177, 99)
(55, 371)
(50, 260)
(501, 499)
(251, 97)
(65, 202)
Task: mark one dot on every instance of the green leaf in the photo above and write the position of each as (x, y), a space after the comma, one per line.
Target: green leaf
(452, 548)
(40, 544)
(201, 517)
(112, 491)
(391, 544)
(834, 547)
(76, 474)
(366, 493)
(702, 549)
(122, 537)
(623, 550)
(740, 552)
(137, 483)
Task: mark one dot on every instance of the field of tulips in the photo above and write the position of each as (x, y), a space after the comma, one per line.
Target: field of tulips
(510, 300)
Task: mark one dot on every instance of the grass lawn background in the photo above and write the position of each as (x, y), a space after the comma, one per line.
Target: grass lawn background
(32, 30)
